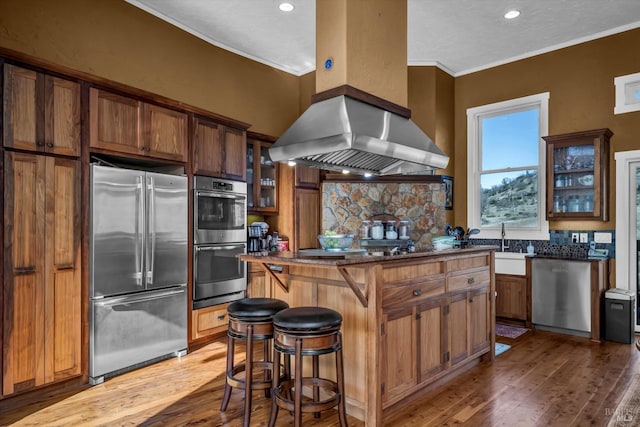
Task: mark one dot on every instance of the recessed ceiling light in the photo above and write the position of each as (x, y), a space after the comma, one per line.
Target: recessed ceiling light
(286, 7)
(512, 14)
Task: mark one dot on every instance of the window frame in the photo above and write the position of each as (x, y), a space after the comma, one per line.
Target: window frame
(474, 159)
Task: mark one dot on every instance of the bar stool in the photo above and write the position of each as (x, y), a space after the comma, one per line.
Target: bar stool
(307, 331)
(249, 320)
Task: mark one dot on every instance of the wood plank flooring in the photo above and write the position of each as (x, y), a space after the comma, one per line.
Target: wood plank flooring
(544, 379)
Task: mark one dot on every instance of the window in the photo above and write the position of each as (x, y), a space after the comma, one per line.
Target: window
(506, 168)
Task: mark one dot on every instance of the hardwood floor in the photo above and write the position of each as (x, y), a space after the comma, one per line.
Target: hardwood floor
(544, 379)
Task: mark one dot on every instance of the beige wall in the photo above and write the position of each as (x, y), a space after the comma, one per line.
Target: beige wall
(580, 82)
(117, 41)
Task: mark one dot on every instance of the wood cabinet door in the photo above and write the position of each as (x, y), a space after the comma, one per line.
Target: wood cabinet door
(431, 339)
(208, 151)
(165, 133)
(256, 284)
(307, 218)
(511, 299)
(479, 312)
(307, 176)
(235, 154)
(22, 128)
(23, 296)
(42, 283)
(62, 273)
(399, 354)
(114, 122)
(62, 116)
(457, 322)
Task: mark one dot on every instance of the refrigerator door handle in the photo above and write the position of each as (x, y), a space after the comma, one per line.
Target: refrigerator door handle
(111, 302)
(151, 230)
(139, 245)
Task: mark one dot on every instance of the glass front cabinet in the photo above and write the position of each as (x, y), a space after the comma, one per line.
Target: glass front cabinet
(578, 175)
(262, 174)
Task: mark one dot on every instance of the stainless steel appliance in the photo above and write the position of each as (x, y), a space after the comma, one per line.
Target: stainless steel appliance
(219, 227)
(138, 267)
(561, 295)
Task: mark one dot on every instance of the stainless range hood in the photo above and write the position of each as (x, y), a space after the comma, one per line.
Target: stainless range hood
(343, 133)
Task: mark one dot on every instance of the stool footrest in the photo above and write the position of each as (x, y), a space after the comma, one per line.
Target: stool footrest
(284, 389)
(233, 381)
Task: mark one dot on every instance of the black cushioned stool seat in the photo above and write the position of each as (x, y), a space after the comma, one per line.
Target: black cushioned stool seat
(250, 319)
(307, 331)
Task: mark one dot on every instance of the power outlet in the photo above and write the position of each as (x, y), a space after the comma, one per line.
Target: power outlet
(584, 238)
(602, 237)
(575, 237)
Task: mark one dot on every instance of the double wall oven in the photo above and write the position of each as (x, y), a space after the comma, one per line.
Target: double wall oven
(219, 232)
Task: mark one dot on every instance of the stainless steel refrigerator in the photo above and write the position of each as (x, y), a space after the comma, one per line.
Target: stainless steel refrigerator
(138, 268)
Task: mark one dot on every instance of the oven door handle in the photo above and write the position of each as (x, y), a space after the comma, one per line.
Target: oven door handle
(220, 195)
(218, 248)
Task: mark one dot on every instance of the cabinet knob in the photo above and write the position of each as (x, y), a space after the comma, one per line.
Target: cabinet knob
(417, 292)
(50, 144)
(471, 299)
(471, 280)
(221, 317)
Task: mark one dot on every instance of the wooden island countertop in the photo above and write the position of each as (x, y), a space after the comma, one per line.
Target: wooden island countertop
(409, 320)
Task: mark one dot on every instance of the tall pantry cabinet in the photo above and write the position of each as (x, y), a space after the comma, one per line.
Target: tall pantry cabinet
(41, 298)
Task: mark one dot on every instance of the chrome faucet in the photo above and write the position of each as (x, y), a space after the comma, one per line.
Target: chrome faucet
(502, 246)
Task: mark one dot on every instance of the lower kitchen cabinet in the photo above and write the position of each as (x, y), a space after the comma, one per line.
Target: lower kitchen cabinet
(256, 282)
(479, 319)
(511, 299)
(41, 332)
(426, 330)
(209, 321)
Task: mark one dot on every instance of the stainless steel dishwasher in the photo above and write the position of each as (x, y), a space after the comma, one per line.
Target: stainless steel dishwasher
(561, 295)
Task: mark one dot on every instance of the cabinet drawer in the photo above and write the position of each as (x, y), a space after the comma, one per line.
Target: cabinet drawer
(468, 279)
(208, 321)
(412, 293)
(467, 263)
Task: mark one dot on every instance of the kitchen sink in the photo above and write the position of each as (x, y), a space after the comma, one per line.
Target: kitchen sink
(510, 263)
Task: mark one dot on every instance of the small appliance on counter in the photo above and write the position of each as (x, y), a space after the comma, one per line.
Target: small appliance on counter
(254, 238)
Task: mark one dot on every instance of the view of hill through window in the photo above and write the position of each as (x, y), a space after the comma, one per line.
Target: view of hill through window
(514, 201)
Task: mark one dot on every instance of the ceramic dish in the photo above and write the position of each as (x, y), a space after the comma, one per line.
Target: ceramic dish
(586, 180)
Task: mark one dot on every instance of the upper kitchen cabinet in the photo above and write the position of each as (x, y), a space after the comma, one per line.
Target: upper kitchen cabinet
(262, 175)
(578, 175)
(307, 176)
(218, 150)
(41, 112)
(42, 306)
(126, 125)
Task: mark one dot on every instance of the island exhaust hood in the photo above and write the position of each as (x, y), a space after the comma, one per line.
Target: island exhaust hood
(346, 128)
(344, 133)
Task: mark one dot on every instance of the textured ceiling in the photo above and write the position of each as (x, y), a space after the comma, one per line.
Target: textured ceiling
(459, 36)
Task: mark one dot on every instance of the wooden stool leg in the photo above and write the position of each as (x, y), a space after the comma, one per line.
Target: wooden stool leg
(227, 387)
(297, 405)
(316, 389)
(267, 358)
(248, 371)
(342, 408)
(274, 390)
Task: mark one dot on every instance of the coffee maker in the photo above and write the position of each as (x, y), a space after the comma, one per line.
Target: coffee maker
(254, 238)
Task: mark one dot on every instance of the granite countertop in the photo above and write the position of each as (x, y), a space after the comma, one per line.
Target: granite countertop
(353, 258)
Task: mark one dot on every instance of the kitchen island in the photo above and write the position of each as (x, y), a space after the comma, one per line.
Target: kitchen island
(409, 320)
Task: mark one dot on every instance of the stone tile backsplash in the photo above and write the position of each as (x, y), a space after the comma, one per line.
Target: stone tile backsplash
(346, 204)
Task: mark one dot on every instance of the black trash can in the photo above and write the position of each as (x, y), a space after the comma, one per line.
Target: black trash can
(620, 308)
